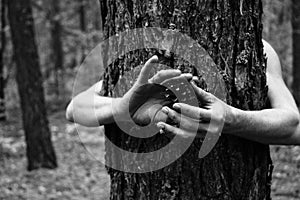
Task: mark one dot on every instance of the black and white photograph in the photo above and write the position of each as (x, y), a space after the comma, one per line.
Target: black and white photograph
(150, 100)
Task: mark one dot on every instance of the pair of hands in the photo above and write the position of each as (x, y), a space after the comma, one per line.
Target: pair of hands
(147, 103)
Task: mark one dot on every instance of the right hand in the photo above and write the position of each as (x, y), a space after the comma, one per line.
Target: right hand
(145, 98)
(197, 121)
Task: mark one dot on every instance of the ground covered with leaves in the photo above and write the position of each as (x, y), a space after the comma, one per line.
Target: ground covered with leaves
(81, 175)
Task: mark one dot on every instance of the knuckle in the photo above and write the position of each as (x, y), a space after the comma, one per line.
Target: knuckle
(164, 71)
(158, 76)
(172, 115)
(186, 110)
(171, 129)
(219, 118)
(184, 124)
(210, 98)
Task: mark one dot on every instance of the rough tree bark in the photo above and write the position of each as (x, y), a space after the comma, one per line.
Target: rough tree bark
(296, 49)
(83, 26)
(97, 18)
(81, 10)
(57, 44)
(231, 32)
(3, 44)
(40, 152)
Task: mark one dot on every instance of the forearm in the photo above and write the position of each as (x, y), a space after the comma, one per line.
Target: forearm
(270, 126)
(91, 110)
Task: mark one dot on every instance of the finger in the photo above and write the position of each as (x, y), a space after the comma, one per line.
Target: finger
(164, 75)
(184, 122)
(193, 112)
(166, 128)
(172, 116)
(195, 79)
(183, 77)
(144, 74)
(201, 94)
(160, 116)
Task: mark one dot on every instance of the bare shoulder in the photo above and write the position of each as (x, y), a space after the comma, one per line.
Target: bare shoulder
(279, 95)
(96, 88)
(273, 62)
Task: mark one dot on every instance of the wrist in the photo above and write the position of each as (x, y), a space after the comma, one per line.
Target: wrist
(231, 120)
(120, 110)
(117, 111)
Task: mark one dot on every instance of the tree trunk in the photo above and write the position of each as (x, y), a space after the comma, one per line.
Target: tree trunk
(57, 48)
(3, 44)
(82, 5)
(296, 49)
(103, 12)
(231, 32)
(97, 18)
(40, 152)
(83, 28)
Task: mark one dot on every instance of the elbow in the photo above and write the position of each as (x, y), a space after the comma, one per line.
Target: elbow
(295, 120)
(69, 113)
(293, 125)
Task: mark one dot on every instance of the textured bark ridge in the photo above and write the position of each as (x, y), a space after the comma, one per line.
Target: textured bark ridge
(296, 50)
(230, 31)
(40, 152)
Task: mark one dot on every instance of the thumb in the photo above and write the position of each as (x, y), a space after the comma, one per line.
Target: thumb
(144, 74)
(200, 93)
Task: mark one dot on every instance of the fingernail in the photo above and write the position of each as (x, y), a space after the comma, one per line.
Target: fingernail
(187, 75)
(176, 106)
(165, 110)
(160, 126)
(161, 131)
(195, 78)
(155, 57)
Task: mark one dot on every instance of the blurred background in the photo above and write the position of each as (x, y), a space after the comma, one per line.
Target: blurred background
(65, 32)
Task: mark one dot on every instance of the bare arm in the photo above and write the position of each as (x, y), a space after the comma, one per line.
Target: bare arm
(278, 125)
(91, 109)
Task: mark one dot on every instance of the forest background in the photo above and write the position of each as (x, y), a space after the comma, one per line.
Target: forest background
(66, 31)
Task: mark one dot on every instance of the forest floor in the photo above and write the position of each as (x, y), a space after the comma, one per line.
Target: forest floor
(81, 175)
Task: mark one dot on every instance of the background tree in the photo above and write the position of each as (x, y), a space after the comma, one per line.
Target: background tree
(57, 43)
(40, 151)
(82, 20)
(296, 49)
(277, 19)
(3, 44)
(82, 15)
(231, 31)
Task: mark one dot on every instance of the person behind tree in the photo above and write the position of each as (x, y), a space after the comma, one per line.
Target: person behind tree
(277, 125)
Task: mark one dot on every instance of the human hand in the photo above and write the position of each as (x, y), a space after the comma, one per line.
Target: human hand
(147, 96)
(195, 121)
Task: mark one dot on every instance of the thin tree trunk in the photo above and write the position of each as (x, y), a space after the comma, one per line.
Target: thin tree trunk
(57, 44)
(103, 12)
(82, 20)
(40, 152)
(3, 45)
(97, 18)
(231, 31)
(296, 49)
(82, 5)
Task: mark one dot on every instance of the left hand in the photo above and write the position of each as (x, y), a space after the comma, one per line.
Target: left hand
(196, 121)
(145, 98)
